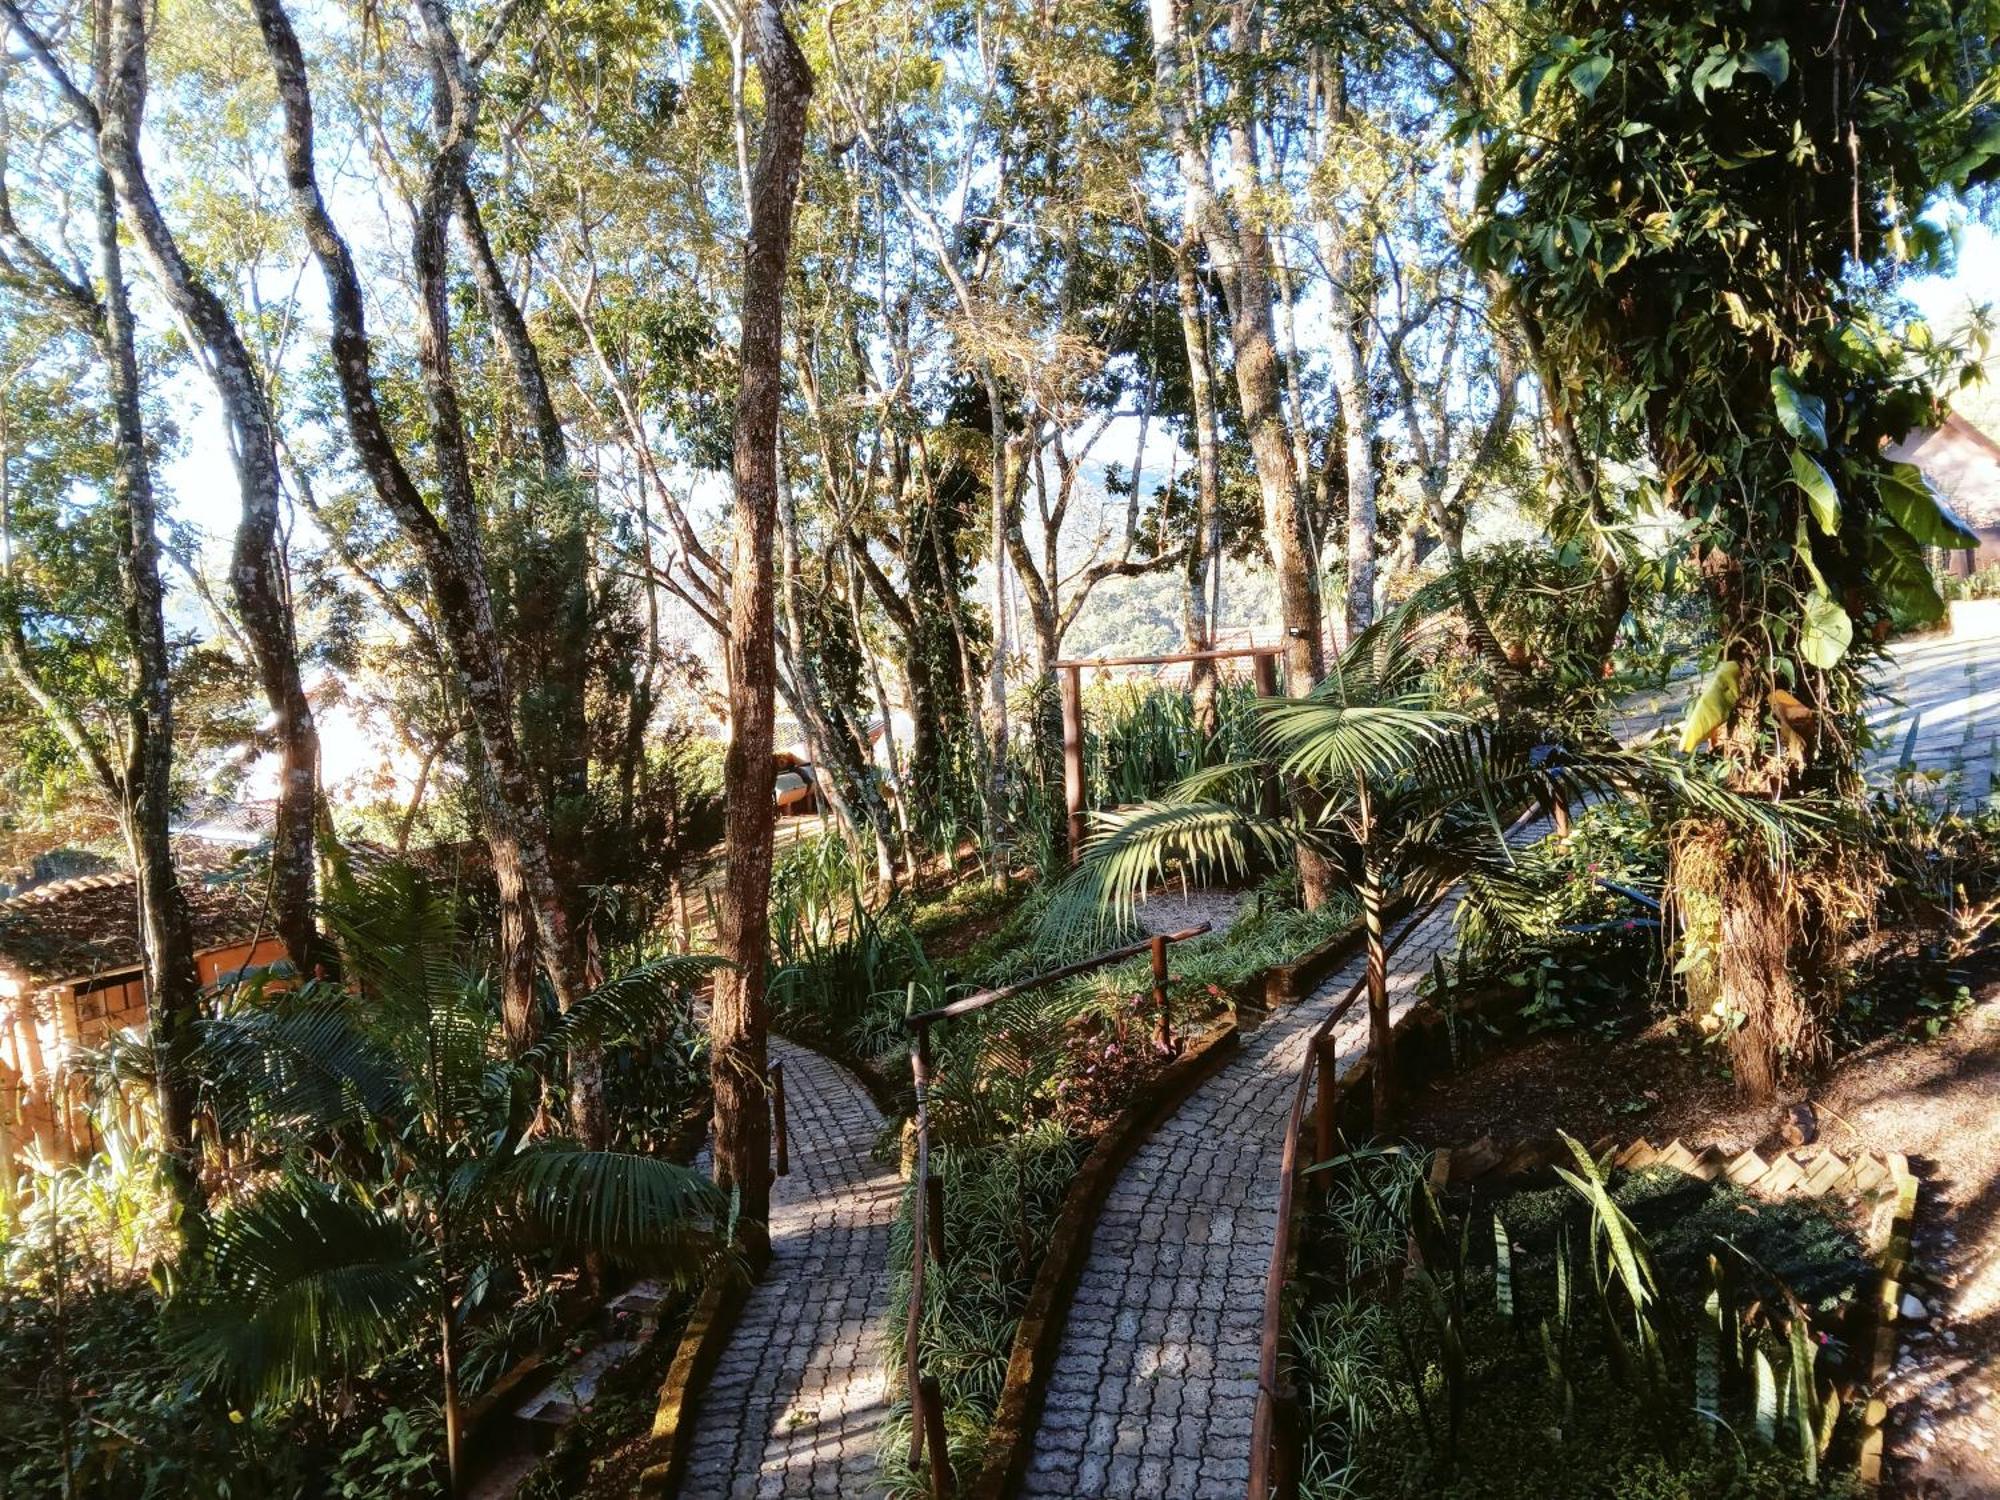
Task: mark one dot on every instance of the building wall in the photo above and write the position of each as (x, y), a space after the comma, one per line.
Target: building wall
(40, 1030)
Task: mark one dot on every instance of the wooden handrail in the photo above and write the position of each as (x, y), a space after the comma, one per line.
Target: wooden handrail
(927, 1216)
(1263, 1425)
(1227, 653)
(980, 999)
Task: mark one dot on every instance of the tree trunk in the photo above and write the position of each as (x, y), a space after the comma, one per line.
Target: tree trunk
(256, 575)
(842, 774)
(739, 1019)
(1381, 1034)
(1205, 555)
(1357, 426)
(173, 985)
(1240, 249)
(453, 554)
(140, 791)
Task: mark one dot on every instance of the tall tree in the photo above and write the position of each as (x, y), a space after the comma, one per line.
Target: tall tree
(740, 1018)
(1690, 214)
(1239, 250)
(257, 569)
(135, 777)
(452, 549)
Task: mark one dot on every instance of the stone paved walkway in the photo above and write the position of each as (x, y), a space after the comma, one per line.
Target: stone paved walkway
(1950, 689)
(797, 1399)
(1155, 1383)
(1947, 686)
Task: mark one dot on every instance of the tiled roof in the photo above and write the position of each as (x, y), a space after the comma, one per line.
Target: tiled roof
(89, 924)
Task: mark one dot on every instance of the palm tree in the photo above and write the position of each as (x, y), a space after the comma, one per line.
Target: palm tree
(1402, 795)
(402, 1175)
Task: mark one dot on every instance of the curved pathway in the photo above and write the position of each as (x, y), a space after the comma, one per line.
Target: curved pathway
(795, 1402)
(1155, 1383)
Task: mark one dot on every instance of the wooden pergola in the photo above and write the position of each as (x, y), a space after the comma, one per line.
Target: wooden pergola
(1263, 667)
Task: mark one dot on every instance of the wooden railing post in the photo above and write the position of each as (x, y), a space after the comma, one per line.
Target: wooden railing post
(940, 1452)
(1264, 671)
(920, 1064)
(780, 1135)
(1163, 1036)
(932, 1188)
(1073, 791)
(1325, 1126)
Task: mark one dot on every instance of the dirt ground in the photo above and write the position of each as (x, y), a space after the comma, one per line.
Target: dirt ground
(1937, 1101)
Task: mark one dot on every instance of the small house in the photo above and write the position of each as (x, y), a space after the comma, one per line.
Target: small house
(72, 977)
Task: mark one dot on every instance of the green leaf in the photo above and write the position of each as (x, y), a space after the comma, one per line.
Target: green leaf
(1531, 83)
(1826, 633)
(1766, 1385)
(1725, 685)
(1589, 74)
(1773, 60)
(1919, 510)
(1717, 71)
(1820, 493)
(1800, 414)
(1903, 578)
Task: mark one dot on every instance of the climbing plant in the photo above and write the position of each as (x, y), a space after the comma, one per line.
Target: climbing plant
(1702, 211)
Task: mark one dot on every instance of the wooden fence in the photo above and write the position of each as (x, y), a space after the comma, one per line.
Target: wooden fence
(927, 1205)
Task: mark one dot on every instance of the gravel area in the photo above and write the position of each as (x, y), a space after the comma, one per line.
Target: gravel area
(1171, 911)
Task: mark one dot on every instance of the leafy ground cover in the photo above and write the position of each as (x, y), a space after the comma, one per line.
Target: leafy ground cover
(1612, 1335)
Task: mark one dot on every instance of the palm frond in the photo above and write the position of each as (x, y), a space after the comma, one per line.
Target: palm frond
(630, 1003)
(295, 1064)
(1327, 742)
(638, 1210)
(400, 935)
(1136, 846)
(298, 1285)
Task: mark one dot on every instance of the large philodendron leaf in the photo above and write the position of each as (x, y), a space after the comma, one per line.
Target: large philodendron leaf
(1903, 578)
(1725, 685)
(1821, 496)
(1800, 414)
(1825, 633)
(1918, 508)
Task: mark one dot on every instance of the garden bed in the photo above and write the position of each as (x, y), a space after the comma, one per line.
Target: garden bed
(1535, 1320)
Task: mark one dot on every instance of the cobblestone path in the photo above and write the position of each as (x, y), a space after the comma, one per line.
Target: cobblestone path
(1947, 686)
(796, 1399)
(1155, 1383)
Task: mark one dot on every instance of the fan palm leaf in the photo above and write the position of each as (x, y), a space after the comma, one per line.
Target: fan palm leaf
(296, 1064)
(1135, 847)
(627, 1004)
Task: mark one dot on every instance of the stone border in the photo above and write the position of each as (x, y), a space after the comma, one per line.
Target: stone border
(1287, 984)
(1010, 1438)
(702, 1342)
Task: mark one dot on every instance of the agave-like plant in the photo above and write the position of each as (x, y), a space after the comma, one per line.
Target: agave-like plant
(403, 1179)
(1403, 794)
